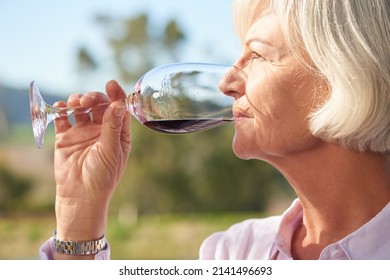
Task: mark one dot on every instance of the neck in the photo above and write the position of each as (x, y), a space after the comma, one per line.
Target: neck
(340, 190)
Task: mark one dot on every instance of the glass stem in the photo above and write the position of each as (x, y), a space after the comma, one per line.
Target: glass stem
(55, 112)
(130, 103)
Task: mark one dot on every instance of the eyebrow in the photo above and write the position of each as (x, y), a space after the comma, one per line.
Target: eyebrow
(261, 41)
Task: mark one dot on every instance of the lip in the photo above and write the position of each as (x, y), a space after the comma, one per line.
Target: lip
(239, 113)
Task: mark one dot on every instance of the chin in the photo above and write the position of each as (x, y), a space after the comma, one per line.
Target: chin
(240, 148)
(246, 141)
(242, 139)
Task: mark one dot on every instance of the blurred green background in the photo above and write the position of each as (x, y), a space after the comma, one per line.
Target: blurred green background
(177, 189)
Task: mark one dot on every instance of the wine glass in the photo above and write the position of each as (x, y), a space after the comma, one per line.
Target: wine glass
(175, 98)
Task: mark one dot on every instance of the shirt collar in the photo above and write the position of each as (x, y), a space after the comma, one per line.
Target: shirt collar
(291, 219)
(370, 241)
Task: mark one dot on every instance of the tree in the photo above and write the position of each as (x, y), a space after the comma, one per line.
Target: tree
(86, 61)
(86, 64)
(137, 46)
(14, 190)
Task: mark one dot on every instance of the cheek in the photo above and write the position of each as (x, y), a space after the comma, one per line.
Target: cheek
(279, 123)
(269, 106)
(266, 95)
(253, 135)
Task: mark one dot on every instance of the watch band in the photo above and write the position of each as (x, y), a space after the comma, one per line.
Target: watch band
(90, 247)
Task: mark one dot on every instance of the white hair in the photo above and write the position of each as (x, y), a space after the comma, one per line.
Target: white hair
(348, 44)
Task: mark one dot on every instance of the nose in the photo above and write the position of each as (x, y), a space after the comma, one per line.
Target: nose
(233, 82)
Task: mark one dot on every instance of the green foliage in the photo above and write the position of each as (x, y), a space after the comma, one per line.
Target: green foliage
(137, 46)
(86, 61)
(14, 190)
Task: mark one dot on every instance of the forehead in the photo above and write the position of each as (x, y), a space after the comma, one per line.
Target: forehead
(246, 12)
(265, 26)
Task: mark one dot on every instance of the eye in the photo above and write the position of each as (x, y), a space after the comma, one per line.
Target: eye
(255, 55)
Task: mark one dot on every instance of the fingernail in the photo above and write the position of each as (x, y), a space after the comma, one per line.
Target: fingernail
(120, 110)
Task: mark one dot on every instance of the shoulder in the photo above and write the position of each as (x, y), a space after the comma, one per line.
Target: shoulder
(250, 239)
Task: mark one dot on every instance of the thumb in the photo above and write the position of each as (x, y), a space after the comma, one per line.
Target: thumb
(112, 127)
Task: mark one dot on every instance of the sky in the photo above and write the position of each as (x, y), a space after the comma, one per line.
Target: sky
(39, 38)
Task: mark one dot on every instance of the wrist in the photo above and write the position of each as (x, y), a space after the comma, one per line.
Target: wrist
(79, 219)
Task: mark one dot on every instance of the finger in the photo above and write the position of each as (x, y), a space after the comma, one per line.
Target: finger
(74, 101)
(94, 99)
(115, 91)
(91, 99)
(61, 124)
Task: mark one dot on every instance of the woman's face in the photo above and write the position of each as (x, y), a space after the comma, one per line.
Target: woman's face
(274, 96)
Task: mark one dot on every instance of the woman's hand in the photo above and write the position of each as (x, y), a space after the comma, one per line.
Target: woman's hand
(90, 159)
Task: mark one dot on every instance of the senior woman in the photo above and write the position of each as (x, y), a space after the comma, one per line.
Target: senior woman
(312, 99)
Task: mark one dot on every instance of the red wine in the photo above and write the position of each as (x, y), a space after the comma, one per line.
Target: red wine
(184, 125)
